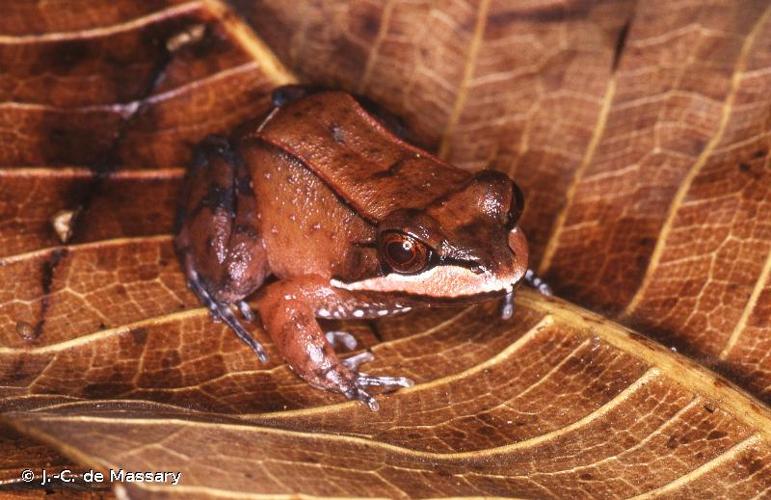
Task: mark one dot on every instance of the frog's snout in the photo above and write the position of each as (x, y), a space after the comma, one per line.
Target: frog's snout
(518, 245)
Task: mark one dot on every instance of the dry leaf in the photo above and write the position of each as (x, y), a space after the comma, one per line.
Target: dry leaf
(640, 131)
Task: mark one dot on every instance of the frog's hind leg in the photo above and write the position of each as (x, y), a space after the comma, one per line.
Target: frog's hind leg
(217, 235)
(221, 311)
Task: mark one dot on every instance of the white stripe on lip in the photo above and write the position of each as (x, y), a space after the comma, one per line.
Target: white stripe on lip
(440, 281)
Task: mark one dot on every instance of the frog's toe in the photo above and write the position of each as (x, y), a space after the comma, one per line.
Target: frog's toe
(365, 380)
(362, 381)
(339, 338)
(246, 311)
(360, 394)
(354, 361)
(507, 306)
(544, 288)
(357, 383)
(393, 383)
(537, 282)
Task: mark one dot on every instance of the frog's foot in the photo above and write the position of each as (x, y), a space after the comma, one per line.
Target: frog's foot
(353, 362)
(356, 387)
(246, 311)
(339, 338)
(221, 312)
(361, 381)
(536, 282)
(507, 306)
(532, 279)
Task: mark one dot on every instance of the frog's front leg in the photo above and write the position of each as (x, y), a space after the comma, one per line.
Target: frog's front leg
(532, 279)
(537, 282)
(217, 235)
(288, 310)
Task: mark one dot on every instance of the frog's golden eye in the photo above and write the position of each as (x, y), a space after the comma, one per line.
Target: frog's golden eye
(403, 253)
(517, 205)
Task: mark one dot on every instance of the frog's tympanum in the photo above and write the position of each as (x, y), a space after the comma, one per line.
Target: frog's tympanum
(329, 214)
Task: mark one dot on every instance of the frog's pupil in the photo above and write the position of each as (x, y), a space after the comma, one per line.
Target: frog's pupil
(401, 252)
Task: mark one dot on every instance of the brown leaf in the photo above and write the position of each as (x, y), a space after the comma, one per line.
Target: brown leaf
(640, 130)
(560, 402)
(19, 452)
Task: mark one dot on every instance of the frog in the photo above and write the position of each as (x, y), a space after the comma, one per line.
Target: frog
(322, 210)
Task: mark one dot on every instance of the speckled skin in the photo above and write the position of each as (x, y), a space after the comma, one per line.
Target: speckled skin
(303, 195)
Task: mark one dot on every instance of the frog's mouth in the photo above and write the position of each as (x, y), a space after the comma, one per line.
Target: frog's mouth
(440, 282)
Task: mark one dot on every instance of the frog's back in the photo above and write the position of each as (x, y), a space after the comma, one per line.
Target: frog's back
(370, 168)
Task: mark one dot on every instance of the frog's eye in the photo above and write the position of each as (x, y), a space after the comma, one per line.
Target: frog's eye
(403, 253)
(517, 205)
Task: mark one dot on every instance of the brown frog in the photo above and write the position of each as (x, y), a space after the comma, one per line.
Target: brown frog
(331, 215)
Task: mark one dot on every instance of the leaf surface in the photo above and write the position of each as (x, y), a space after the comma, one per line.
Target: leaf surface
(639, 130)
